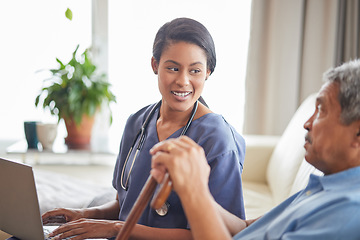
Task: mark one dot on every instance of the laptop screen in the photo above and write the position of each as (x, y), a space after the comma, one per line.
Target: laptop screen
(19, 207)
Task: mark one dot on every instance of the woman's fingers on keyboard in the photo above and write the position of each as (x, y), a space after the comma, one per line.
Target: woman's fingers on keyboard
(55, 219)
(61, 215)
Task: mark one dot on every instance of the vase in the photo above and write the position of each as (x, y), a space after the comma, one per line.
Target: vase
(30, 134)
(46, 133)
(79, 135)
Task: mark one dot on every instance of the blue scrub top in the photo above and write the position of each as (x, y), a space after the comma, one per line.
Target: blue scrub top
(224, 149)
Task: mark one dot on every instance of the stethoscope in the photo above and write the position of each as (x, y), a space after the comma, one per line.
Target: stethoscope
(163, 210)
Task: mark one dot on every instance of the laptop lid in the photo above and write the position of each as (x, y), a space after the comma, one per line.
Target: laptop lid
(19, 207)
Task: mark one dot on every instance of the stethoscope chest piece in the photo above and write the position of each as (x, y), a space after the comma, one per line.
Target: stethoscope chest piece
(163, 210)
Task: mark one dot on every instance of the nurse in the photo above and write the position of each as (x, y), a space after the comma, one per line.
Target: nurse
(183, 59)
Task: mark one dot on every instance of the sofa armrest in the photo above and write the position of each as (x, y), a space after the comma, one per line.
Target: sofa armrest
(259, 149)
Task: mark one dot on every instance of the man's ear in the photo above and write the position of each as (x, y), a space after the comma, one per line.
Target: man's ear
(154, 65)
(357, 134)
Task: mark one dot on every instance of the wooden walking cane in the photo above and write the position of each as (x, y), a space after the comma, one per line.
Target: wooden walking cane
(141, 202)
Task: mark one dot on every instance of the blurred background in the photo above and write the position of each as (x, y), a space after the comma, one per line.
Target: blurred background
(35, 33)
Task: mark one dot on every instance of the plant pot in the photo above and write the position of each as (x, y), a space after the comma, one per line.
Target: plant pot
(79, 136)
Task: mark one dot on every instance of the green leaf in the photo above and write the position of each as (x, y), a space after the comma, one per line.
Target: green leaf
(37, 100)
(68, 14)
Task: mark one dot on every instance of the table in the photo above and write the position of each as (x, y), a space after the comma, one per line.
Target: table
(59, 155)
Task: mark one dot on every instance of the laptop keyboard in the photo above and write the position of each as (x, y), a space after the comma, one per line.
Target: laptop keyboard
(46, 235)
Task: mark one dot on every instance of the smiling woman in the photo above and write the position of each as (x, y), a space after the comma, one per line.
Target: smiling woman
(181, 63)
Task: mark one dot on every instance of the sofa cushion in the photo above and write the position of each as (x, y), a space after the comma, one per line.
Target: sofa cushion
(302, 176)
(58, 190)
(258, 199)
(289, 153)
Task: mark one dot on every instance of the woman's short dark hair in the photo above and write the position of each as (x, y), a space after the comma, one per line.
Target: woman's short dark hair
(187, 30)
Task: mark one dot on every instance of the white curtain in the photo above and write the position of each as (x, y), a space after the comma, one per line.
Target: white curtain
(291, 44)
(348, 39)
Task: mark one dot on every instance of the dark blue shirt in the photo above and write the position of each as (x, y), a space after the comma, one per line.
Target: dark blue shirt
(225, 152)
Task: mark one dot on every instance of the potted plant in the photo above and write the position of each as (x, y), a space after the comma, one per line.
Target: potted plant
(75, 93)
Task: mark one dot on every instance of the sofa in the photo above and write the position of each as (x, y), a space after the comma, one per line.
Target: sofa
(275, 167)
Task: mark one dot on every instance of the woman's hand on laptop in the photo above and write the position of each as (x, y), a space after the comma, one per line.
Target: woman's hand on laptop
(62, 215)
(87, 228)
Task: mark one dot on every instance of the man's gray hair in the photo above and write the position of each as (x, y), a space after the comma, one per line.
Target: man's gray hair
(348, 77)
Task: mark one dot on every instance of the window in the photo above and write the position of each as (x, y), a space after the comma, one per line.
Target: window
(33, 34)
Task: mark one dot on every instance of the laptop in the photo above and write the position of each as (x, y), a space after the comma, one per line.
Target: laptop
(19, 207)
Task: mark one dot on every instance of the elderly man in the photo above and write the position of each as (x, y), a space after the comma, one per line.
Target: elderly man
(328, 208)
